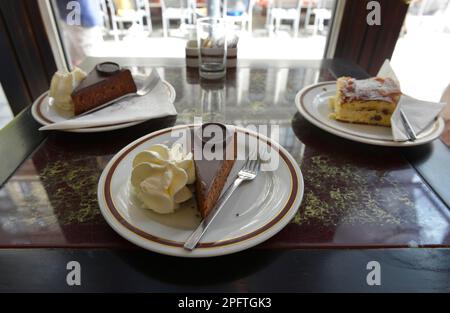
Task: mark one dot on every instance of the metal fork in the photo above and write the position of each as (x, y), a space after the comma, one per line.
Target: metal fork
(248, 172)
(408, 127)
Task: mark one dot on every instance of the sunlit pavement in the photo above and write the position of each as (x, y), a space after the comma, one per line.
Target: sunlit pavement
(268, 48)
(422, 64)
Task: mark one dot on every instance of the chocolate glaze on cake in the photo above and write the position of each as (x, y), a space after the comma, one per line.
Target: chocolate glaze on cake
(106, 82)
(107, 68)
(211, 175)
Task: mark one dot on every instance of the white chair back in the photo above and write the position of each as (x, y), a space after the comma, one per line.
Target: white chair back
(286, 4)
(176, 4)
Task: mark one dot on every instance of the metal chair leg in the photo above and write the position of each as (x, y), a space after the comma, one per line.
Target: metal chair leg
(165, 25)
(296, 26)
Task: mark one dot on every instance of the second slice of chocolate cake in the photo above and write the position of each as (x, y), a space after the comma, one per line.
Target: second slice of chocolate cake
(105, 83)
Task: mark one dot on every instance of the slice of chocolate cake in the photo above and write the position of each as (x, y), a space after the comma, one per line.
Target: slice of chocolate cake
(105, 83)
(214, 150)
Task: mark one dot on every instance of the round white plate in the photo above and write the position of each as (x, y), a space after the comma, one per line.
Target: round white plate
(46, 113)
(312, 102)
(255, 212)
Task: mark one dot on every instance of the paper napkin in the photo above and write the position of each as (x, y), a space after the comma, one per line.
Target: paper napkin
(156, 104)
(421, 114)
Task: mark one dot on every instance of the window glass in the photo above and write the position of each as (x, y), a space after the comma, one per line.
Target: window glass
(268, 29)
(421, 57)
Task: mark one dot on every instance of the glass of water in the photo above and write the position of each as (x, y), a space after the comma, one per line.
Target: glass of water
(212, 43)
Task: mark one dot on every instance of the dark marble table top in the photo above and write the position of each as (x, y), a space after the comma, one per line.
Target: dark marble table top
(356, 195)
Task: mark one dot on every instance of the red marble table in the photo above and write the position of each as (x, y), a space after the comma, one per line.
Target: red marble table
(357, 196)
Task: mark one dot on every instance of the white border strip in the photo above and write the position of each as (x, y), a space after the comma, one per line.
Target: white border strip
(335, 29)
(52, 33)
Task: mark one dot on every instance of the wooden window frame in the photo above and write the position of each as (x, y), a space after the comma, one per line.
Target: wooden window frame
(27, 62)
(369, 46)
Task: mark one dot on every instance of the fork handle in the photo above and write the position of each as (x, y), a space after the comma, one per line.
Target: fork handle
(408, 127)
(195, 237)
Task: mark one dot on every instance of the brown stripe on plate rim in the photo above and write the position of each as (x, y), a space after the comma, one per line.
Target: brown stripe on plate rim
(42, 98)
(38, 109)
(305, 91)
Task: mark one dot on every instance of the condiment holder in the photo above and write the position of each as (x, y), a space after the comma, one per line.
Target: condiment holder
(192, 57)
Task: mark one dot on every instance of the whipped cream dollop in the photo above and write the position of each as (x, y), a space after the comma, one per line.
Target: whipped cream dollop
(160, 177)
(62, 86)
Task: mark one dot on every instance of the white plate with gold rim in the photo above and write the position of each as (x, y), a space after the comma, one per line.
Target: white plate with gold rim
(312, 103)
(45, 113)
(255, 212)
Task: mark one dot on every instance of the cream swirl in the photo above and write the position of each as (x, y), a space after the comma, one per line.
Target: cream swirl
(62, 86)
(160, 177)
